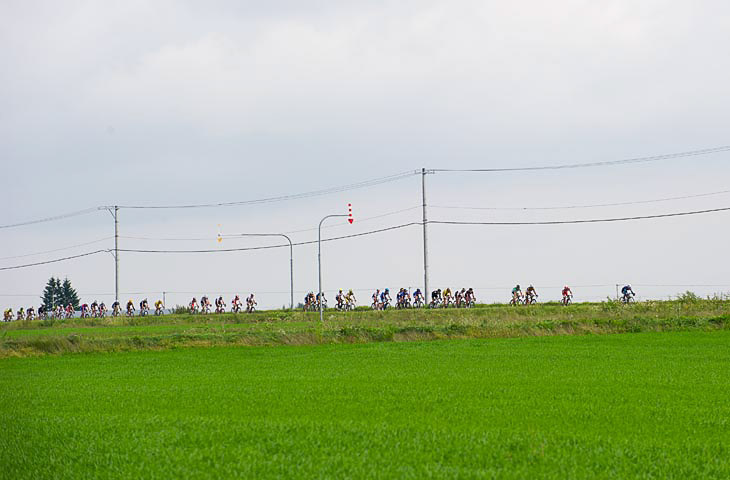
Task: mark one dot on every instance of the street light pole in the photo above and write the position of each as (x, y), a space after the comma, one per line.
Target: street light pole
(319, 259)
(291, 259)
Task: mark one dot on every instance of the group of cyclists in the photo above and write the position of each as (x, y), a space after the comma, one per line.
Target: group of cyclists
(530, 295)
(205, 306)
(381, 300)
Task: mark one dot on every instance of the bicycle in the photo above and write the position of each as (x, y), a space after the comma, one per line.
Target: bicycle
(516, 300)
(530, 299)
(567, 300)
(628, 298)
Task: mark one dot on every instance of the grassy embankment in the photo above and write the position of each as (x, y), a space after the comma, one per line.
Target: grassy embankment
(590, 406)
(294, 328)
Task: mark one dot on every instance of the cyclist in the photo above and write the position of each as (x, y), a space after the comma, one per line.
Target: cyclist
(470, 298)
(448, 299)
(220, 305)
(30, 314)
(194, 305)
(144, 307)
(21, 314)
(567, 294)
(102, 309)
(8, 315)
(459, 297)
(130, 308)
(350, 299)
(516, 295)
(530, 294)
(94, 308)
(116, 308)
(42, 311)
(435, 298)
(385, 298)
(204, 304)
(418, 297)
(340, 300)
(158, 307)
(376, 300)
(251, 303)
(236, 304)
(69, 311)
(627, 293)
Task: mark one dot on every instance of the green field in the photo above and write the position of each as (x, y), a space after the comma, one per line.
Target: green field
(298, 328)
(649, 405)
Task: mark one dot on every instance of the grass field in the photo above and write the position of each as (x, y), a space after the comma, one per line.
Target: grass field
(650, 405)
(297, 328)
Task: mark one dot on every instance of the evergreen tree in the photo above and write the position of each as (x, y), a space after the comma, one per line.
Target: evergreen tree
(68, 294)
(52, 294)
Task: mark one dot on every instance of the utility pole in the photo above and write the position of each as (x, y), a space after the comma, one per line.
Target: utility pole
(116, 253)
(426, 292)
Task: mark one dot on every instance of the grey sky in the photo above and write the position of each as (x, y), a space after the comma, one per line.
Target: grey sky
(185, 102)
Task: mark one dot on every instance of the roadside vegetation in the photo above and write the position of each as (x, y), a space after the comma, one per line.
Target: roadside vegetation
(279, 327)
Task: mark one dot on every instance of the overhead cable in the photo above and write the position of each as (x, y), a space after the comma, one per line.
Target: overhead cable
(53, 261)
(57, 249)
(326, 191)
(568, 207)
(244, 235)
(395, 227)
(54, 218)
(266, 247)
(656, 158)
(595, 220)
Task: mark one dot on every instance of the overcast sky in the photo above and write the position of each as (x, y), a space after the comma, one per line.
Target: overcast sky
(158, 103)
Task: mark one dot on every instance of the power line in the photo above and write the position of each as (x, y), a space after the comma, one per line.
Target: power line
(596, 220)
(266, 247)
(343, 188)
(53, 261)
(57, 249)
(243, 235)
(568, 207)
(54, 218)
(371, 232)
(656, 158)
(326, 191)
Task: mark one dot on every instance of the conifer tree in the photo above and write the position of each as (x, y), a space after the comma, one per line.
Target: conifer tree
(68, 293)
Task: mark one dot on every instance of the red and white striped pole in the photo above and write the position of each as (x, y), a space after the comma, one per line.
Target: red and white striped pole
(349, 213)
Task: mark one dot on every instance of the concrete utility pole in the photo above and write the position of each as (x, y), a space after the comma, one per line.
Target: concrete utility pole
(116, 253)
(319, 259)
(426, 292)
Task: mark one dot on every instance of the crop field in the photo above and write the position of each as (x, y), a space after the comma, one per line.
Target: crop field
(648, 405)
